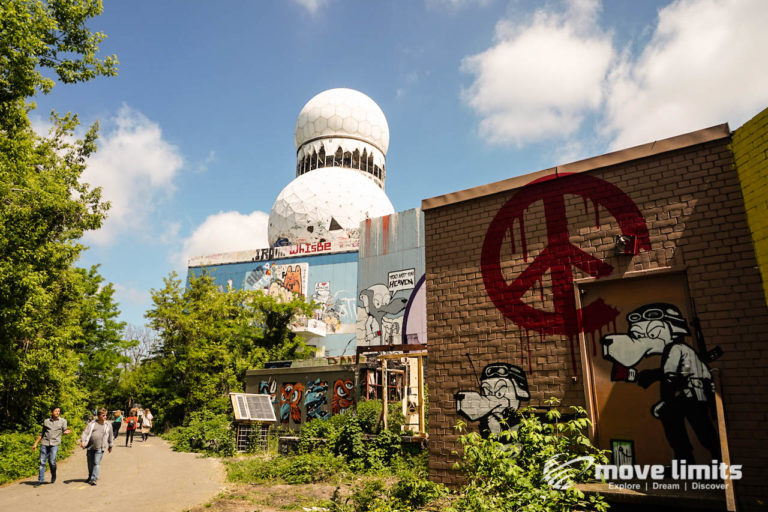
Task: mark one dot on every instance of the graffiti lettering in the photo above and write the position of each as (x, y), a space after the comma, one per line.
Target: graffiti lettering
(309, 248)
(401, 280)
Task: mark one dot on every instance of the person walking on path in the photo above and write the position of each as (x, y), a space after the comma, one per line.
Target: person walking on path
(53, 428)
(146, 424)
(96, 437)
(131, 422)
(117, 420)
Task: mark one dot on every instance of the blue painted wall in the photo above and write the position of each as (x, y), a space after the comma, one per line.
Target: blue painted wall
(331, 280)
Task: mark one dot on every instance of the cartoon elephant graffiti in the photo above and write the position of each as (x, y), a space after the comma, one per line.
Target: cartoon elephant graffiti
(686, 385)
(502, 388)
(377, 302)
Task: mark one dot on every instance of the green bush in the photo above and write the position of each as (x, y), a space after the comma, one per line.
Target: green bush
(368, 415)
(204, 432)
(506, 472)
(297, 469)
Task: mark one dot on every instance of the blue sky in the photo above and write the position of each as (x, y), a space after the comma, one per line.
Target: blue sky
(197, 129)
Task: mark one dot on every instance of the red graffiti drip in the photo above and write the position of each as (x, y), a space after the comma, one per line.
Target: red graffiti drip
(385, 234)
(594, 347)
(367, 236)
(559, 257)
(522, 353)
(586, 205)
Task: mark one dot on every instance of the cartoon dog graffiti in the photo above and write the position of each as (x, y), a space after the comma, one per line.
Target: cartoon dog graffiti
(502, 387)
(290, 398)
(377, 302)
(343, 396)
(685, 381)
(316, 400)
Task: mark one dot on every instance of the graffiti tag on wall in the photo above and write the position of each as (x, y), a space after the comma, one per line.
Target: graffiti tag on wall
(560, 257)
(316, 400)
(343, 396)
(280, 281)
(685, 382)
(290, 399)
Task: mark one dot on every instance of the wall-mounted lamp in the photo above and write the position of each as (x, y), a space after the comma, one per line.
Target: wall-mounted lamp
(625, 244)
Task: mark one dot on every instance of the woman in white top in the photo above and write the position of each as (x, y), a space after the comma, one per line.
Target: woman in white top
(146, 424)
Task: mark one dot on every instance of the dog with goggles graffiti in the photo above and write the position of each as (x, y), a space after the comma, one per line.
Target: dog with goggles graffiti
(686, 386)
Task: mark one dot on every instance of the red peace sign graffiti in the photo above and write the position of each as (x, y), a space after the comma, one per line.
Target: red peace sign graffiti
(559, 256)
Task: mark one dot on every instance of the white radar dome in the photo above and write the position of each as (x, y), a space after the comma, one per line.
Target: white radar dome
(326, 204)
(342, 113)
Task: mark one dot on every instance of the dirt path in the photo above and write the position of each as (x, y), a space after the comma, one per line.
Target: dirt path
(149, 477)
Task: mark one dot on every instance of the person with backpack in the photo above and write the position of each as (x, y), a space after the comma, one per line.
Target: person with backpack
(146, 424)
(132, 422)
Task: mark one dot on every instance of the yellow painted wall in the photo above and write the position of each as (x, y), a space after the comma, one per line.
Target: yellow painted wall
(750, 151)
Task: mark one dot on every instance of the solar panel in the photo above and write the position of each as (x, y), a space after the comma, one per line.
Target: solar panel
(254, 407)
(260, 407)
(242, 407)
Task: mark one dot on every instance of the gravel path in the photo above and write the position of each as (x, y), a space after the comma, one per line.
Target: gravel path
(146, 477)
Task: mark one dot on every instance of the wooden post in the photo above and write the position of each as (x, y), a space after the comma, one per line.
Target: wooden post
(420, 366)
(385, 391)
(730, 496)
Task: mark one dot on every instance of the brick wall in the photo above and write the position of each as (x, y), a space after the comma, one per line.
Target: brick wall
(691, 201)
(750, 150)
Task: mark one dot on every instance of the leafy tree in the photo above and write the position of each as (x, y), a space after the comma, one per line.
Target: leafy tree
(102, 348)
(45, 209)
(209, 339)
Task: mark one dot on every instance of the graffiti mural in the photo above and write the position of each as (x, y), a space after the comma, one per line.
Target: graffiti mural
(502, 388)
(269, 387)
(560, 257)
(279, 281)
(343, 396)
(377, 302)
(316, 400)
(685, 382)
(290, 399)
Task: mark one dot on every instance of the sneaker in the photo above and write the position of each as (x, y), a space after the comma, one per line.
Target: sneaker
(92, 482)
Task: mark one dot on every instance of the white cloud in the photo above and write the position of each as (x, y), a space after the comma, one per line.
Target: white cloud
(225, 232)
(312, 5)
(542, 76)
(134, 296)
(135, 167)
(456, 4)
(705, 64)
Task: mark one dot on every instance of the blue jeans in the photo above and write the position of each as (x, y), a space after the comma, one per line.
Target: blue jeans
(94, 463)
(47, 453)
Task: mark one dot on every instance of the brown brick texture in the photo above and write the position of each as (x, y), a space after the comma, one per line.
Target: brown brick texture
(692, 203)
